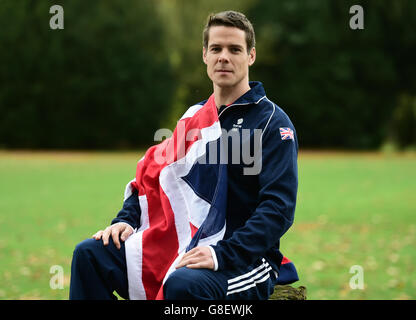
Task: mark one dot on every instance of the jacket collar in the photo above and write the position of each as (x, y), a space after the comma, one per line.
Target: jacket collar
(254, 95)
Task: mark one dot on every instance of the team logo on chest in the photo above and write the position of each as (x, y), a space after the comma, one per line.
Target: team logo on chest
(238, 125)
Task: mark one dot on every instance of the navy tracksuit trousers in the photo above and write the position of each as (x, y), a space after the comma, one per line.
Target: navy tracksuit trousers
(97, 271)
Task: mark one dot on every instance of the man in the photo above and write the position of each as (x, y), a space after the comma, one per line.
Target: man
(246, 263)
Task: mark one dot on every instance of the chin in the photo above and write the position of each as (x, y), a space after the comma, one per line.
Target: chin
(224, 83)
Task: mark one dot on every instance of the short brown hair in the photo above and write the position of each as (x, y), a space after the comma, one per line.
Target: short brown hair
(230, 19)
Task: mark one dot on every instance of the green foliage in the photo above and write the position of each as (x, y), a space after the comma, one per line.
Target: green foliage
(339, 86)
(94, 84)
(122, 69)
(403, 128)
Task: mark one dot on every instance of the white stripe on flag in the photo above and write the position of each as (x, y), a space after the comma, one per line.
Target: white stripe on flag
(128, 191)
(134, 266)
(191, 111)
(213, 239)
(134, 255)
(144, 216)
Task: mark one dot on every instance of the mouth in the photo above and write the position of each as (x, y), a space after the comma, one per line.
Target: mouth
(223, 71)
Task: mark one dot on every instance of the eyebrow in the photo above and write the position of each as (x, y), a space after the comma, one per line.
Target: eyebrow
(231, 45)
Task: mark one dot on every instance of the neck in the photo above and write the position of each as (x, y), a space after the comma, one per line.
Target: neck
(227, 95)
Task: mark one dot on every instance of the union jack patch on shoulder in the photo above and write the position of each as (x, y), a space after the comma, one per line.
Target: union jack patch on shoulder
(286, 134)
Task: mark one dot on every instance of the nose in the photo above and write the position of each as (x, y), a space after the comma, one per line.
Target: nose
(223, 57)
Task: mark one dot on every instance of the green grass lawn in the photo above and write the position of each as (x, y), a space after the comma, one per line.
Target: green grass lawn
(353, 209)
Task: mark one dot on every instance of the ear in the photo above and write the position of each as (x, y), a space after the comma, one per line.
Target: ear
(252, 56)
(204, 55)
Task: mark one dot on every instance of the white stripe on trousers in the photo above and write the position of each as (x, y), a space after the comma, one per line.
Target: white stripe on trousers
(250, 278)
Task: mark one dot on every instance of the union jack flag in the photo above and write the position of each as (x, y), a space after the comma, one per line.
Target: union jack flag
(182, 201)
(286, 133)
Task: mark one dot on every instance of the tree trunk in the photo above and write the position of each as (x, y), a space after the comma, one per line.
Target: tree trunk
(287, 292)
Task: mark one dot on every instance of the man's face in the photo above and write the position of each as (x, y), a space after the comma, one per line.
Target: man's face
(226, 57)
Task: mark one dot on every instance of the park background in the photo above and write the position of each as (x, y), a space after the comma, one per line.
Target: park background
(79, 106)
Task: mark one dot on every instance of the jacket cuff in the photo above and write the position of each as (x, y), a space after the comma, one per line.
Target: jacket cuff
(214, 257)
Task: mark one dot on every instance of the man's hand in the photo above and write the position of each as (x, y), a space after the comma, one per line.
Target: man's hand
(199, 257)
(114, 230)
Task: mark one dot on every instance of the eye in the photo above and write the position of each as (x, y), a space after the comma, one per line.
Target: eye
(235, 50)
(215, 49)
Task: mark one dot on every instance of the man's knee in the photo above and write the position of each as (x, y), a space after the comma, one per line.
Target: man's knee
(178, 286)
(185, 284)
(85, 248)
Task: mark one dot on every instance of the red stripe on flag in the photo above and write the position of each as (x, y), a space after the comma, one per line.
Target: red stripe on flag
(193, 229)
(160, 238)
